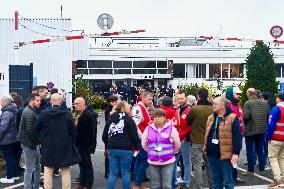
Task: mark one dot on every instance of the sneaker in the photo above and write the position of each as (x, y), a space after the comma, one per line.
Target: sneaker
(16, 178)
(267, 168)
(239, 181)
(7, 181)
(248, 173)
(274, 184)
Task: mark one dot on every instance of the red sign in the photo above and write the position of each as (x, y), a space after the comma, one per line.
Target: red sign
(276, 31)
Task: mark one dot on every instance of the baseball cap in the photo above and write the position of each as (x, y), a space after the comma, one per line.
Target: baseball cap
(237, 90)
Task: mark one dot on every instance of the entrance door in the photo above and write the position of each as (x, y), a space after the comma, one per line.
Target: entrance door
(21, 79)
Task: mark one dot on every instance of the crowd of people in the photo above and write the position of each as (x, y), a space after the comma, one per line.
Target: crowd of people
(161, 132)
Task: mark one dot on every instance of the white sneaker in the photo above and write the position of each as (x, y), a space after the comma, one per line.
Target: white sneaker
(7, 181)
(16, 178)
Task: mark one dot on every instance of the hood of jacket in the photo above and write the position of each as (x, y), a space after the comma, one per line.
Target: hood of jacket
(11, 108)
(167, 124)
(55, 111)
(230, 95)
(117, 116)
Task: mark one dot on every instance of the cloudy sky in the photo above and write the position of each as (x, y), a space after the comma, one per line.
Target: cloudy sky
(237, 18)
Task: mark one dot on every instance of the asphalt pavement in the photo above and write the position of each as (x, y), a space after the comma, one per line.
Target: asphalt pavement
(100, 182)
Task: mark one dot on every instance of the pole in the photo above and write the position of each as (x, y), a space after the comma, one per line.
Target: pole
(221, 58)
(61, 11)
(16, 40)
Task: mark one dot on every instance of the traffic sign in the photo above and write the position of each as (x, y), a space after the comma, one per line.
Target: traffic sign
(276, 31)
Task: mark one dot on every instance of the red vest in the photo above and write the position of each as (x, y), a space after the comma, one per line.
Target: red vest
(181, 123)
(146, 118)
(239, 113)
(278, 133)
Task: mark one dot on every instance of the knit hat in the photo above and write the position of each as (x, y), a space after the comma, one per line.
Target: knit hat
(167, 101)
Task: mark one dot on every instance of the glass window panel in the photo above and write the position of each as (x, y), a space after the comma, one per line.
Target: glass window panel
(122, 64)
(162, 64)
(100, 71)
(179, 70)
(82, 71)
(236, 70)
(214, 71)
(81, 64)
(200, 71)
(278, 70)
(142, 71)
(162, 71)
(100, 64)
(144, 64)
(122, 71)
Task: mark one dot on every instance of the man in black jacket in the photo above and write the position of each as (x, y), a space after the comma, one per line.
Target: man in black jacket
(58, 142)
(86, 137)
(30, 143)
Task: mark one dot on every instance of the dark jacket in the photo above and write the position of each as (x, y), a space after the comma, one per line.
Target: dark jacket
(108, 109)
(19, 116)
(86, 132)
(8, 126)
(58, 138)
(197, 118)
(120, 132)
(256, 113)
(26, 134)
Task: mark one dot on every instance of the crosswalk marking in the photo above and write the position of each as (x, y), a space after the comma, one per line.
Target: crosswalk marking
(257, 175)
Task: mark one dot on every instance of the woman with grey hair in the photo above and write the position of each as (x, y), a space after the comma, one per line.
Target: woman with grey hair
(8, 134)
(191, 100)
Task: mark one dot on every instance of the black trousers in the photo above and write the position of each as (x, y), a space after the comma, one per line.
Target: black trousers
(86, 177)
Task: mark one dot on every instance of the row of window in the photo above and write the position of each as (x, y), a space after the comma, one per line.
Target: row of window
(199, 70)
(120, 64)
(122, 71)
(161, 67)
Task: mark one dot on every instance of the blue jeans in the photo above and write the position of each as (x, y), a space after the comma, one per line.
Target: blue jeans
(32, 171)
(119, 160)
(140, 167)
(185, 151)
(221, 173)
(257, 142)
(9, 156)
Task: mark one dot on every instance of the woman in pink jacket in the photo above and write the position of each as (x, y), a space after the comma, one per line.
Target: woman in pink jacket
(161, 140)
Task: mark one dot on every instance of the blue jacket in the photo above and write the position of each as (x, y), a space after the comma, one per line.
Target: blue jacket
(8, 125)
(275, 115)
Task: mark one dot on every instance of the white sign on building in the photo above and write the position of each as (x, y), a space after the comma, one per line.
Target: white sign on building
(4, 79)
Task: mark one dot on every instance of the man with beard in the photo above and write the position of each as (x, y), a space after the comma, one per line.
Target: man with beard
(233, 95)
(182, 125)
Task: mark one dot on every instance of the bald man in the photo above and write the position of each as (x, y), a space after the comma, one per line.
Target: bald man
(58, 138)
(222, 144)
(86, 137)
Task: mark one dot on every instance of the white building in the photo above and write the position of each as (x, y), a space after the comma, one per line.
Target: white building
(51, 62)
(134, 60)
(116, 60)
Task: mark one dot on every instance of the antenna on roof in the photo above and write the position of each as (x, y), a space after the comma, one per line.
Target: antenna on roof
(61, 11)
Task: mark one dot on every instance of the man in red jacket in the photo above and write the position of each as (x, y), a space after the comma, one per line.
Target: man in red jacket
(183, 128)
(141, 117)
